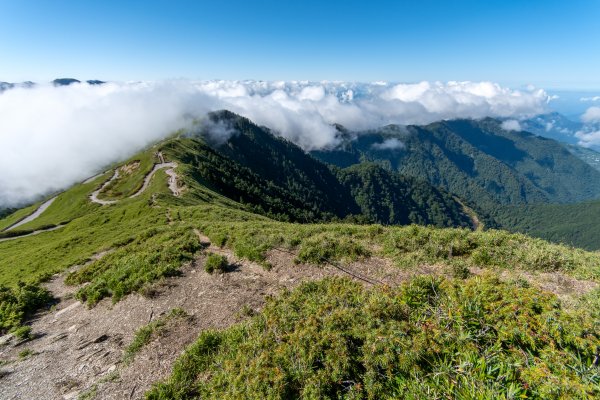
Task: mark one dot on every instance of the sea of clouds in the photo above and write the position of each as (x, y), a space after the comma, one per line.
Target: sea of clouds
(52, 137)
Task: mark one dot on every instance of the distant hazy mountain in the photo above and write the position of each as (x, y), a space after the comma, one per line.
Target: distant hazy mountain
(57, 82)
(590, 156)
(65, 81)
(8, 85)
(554, 126)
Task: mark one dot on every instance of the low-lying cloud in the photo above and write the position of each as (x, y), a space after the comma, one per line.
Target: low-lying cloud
(52, 137)
(513, 125)
(591, 115)
(388, 144)
(592, 98)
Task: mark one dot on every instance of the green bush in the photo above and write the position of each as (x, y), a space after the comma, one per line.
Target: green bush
(18, 303)
(215, 263)
(430, 338)
(155, 254)
(22, 332)
(323, 248)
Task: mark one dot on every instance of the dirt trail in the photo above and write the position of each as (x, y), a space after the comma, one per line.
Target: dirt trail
(94, 196)
(32, 216)
(33, 233)
(93, 178)
(78, 348)
(148, 177)
(170, 171)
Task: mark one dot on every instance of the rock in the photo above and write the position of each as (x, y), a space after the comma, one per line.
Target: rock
(71, 395)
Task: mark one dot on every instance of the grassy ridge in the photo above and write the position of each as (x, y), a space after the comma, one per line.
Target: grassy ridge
(102, 228)
(18, 215)
(407, 246)
(477, 338)
(429, 338)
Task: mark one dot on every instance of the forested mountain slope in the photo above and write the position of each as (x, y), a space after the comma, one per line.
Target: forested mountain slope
(476, 160)
(278, 178)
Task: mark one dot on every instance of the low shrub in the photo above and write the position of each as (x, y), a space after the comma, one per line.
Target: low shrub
(429, 338)
(215, 263)
(18, 303)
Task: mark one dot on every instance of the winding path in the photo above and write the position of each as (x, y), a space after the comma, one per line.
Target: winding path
(170, 171)
(32, 216)
(94, 196)
(33, 233)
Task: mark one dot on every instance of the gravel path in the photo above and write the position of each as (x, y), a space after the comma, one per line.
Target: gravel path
(170, 171)
(33, 216)
(33, 233)
(94, 196)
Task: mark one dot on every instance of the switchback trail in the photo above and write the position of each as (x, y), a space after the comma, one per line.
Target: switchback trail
(170, 172)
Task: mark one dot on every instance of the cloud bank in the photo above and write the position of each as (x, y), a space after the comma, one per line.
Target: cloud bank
(52, 137)
(388, 144)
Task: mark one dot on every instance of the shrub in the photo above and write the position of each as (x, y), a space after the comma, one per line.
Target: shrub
(22, 332)
(25, 353)
(215, 263)
(18, 303)
(429, 338)
(154, 255)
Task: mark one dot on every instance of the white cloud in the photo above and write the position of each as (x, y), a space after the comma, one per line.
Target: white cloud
(52, 137)
(591, 115)
(388, 144)
(593, 98)
(512, 125)
(588, 138)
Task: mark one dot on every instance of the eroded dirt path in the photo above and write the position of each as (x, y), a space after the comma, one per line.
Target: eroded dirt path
(94, 196)
(78, 348)
(169, 165)
(53, 228)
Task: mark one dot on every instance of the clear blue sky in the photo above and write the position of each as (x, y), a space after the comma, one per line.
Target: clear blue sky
(553, 44)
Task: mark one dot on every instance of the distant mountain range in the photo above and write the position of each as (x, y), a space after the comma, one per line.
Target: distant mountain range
(57, 82)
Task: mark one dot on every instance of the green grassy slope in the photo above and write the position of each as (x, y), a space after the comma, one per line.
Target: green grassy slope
(131, 176)
(467, 337)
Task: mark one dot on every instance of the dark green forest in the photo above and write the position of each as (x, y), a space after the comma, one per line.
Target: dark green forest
(274, 177)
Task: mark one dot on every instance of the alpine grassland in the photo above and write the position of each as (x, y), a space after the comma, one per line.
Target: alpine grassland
(466, 336)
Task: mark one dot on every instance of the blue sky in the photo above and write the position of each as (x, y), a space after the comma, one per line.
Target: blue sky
(551, 44)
